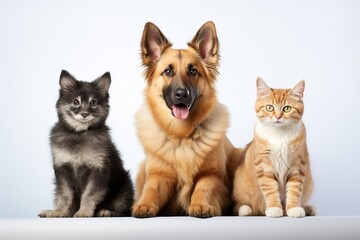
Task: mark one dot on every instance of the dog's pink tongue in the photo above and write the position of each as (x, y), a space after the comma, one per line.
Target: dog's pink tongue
(180, 112)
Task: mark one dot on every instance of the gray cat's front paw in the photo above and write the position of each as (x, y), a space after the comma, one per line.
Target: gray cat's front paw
(104, 213)
(82, 213)
(53, 214)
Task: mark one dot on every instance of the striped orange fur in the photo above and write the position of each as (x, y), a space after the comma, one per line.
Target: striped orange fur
(273, 177)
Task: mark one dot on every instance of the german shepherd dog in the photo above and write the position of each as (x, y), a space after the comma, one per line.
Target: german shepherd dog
(182, 129)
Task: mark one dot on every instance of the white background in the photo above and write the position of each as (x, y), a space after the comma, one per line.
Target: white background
(281, 41)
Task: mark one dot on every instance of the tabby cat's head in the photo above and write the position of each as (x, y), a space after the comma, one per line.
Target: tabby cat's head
(279, 107)
(83, 105)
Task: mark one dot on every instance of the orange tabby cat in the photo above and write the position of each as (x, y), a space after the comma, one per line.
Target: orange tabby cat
(273, 177)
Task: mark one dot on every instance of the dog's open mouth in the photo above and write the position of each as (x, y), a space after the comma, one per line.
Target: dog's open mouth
(180, 111)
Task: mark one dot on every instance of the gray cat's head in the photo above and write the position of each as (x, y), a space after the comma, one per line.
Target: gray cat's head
(83, 105)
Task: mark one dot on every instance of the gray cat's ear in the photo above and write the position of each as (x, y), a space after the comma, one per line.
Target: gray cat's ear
(103, 82)
(153, 44)
(206, 42)
(66, 80)
(263, 89)
(298, 90)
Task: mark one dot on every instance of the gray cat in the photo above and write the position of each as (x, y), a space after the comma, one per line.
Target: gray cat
(89, 174)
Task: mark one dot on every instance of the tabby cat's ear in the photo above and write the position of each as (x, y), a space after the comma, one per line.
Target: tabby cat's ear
(103, 83)
(298, 90)
(263, 89)
(66, 80)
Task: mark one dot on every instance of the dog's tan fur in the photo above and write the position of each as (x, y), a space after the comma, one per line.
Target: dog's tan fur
(184, 172)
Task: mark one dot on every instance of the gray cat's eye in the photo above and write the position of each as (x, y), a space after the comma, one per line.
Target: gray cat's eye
(93, 103)
(76, 102)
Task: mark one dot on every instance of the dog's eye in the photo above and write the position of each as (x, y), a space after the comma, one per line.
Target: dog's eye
(168, 72)
(76, 102)
(193, 71)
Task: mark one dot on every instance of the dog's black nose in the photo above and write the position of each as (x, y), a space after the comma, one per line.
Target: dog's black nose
(182, 94)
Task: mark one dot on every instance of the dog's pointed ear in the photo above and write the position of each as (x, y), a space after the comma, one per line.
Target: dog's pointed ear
(153, 44)
(206, 42)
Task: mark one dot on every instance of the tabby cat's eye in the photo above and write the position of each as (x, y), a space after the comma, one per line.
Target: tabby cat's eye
(287, 109)
(269, 108)
(76, 102)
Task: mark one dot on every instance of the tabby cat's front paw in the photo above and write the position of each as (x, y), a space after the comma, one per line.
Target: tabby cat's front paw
(245, 210)
(274, 212)
(296, 212)
(310, 210)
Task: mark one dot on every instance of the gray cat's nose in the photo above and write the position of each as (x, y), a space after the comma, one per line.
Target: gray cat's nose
(85, 114)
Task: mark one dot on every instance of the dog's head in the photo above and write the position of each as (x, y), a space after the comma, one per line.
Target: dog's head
(183, 79)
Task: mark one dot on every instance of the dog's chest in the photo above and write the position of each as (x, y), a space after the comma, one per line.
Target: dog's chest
(186, 156)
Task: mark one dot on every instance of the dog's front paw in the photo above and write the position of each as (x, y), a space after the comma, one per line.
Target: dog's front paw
(274, 212)
(144, 211)
(53, 214)
(201, 210)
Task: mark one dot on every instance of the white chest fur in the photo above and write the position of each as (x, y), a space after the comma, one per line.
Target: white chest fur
(279, 139)
(78, 157)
